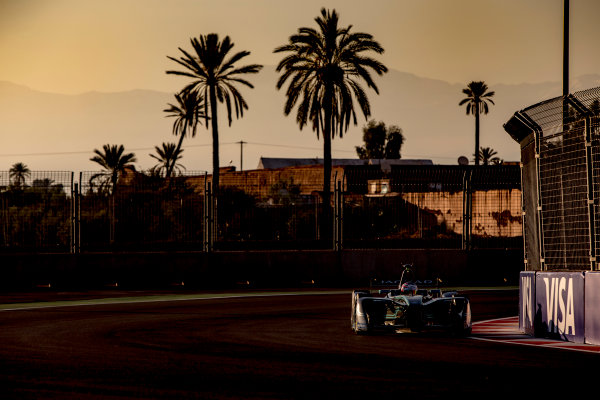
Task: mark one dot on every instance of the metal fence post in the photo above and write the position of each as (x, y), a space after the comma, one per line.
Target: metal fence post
(341, 229)
(112, 222)
(537, 131)
(538, 145)
(72, 216)
(214, 210)
(76, 220)
(208, 217)
(317, 208)
(523, 218)
(590, 192)
(467, 210)
(337, 215)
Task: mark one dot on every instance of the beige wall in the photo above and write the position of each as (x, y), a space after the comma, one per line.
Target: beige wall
(495, 212)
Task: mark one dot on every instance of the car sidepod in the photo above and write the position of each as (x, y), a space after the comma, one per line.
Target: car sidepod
(465, 317)
(452, 314)
(358, 318)
(371, 314)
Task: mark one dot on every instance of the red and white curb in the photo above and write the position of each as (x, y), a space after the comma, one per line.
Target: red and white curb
(506, 330)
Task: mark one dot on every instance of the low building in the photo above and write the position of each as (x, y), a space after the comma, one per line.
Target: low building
(304, 174)
(276, 163)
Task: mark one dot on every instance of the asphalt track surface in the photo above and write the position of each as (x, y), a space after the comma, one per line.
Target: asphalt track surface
(261, 347)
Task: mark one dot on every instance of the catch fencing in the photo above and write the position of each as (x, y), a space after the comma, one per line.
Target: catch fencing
(402, 207)
(560, 145)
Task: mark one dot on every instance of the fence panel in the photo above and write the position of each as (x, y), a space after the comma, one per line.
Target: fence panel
(564, 200)
(405, 207)
(139, 212)
(35, 211)
(426, 206)
(255, 211)
(595, 136)
(496, 213)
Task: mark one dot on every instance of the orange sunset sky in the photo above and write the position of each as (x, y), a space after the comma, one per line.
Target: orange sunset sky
(77, 46)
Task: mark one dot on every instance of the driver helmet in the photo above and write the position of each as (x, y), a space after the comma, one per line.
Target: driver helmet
(409, 287)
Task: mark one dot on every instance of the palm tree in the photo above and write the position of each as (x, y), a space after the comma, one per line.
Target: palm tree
(477, 101)
(214, 78)
(114, 161)
(18, 173)
(488, 156)
(167, 157)
(324, 67)
(187, 112)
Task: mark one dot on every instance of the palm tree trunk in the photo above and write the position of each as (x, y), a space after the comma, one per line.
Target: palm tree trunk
(326, 223)
(215, 138)
(215, 178)
(171, 166)
(113, 179)
(476, 134)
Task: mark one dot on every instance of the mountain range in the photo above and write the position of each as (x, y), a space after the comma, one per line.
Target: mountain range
(49, 131)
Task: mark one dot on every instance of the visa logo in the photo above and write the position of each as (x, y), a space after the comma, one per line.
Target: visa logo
(560, 309)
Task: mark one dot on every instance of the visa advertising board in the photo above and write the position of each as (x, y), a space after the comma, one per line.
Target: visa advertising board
(592, 307)
(560, 309)
(560, 305)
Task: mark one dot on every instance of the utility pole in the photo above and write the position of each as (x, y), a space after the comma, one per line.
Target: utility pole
(242, 143)
(565, 64)
(566, 49)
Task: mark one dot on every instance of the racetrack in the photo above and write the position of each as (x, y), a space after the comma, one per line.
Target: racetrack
(263, 347)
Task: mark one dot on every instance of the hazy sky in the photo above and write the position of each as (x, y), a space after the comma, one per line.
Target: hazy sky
(73, 46)
(76, 46)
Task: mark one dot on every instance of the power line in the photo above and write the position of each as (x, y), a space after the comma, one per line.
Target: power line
(298, 147)
(287, 146)
(59, 153)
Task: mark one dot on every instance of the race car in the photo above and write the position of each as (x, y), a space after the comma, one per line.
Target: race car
(410, 309)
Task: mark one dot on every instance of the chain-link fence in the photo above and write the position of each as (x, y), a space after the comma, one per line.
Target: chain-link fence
(277, 210)
(434, 206)
(405, 207)
(138, 212)
(35, 210)
(560, 142)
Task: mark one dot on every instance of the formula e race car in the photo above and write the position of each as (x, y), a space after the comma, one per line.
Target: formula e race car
(410, 309)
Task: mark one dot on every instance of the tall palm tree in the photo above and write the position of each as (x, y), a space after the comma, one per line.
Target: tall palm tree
(18, 173)
(214, 76)
(167, 156)
(188, 112)
(488, 156)
(114, 161)
(324, 67)
(477, 101)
